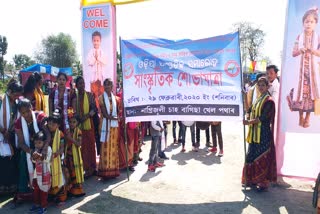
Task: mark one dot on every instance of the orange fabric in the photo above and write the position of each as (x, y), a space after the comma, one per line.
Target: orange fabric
(77, 190)
(59, 194)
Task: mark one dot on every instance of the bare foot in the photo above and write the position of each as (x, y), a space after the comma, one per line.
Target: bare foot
(306, 124)
(301, 122)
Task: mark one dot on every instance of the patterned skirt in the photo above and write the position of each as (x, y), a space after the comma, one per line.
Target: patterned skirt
(109, 156)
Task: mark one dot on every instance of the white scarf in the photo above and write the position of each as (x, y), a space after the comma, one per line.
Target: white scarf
(105, 128)
(65, 105)
(26, 137)
(315, 43)
(4, 146)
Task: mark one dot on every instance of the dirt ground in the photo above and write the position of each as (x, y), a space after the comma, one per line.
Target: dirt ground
(191, 182)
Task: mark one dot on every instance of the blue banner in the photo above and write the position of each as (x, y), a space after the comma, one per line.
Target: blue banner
(188, 80)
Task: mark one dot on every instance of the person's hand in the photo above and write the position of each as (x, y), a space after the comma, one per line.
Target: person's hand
(302, 50)
(44, 153)
(311, 51)
(55, 154)
(161, 130)
(246, 122)
(36, 156)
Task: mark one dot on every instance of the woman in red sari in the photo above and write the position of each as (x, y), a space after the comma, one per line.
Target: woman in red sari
(260, 166)
(83, 104)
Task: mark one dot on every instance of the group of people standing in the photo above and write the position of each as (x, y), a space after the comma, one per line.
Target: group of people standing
(47, 157)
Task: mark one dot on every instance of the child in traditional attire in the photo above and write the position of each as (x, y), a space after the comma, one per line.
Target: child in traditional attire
(306, 97)
(73, 160)
(42, 178)
(96, 65)
(58, 190)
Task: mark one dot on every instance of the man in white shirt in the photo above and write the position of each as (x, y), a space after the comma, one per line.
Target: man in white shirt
(272, 74)
(274, 88)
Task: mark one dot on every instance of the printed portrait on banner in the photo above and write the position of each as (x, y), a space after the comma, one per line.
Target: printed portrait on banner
(98, 46)
(301, 70)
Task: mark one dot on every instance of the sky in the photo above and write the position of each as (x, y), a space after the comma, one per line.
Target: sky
(26, 22)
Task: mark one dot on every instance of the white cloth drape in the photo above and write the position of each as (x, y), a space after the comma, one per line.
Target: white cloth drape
(106, 124)
(26, 137)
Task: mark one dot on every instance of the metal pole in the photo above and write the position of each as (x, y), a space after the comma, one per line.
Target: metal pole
(244, 114)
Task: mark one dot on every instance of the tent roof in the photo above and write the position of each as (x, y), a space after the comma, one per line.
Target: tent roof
(41, 68)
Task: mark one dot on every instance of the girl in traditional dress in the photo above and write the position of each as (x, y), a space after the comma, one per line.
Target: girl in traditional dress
(26, 126)
(8, 151)
(83, 104)
(307, 46)
(58, 190)
(260, 166)
(33, 91)
(73, 159)
(42, 177)
(60, 98)
(109, 157)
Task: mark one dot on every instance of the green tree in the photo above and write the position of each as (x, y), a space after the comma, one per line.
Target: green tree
(3, 51)
(77, 69)
(251, 41)
(22, 61)
(57, 50)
